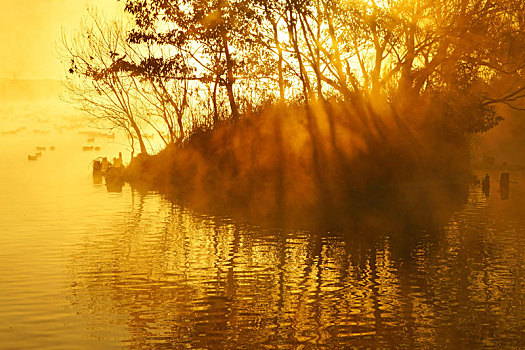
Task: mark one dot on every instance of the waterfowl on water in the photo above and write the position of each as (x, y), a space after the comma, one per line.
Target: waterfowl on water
(30, 157)
(40, 148)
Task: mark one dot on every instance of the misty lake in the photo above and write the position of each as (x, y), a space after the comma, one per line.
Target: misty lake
(85, 268)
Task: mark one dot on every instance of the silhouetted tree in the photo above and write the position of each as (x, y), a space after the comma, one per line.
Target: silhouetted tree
(462, 57)
(213, 35)
(124, 85)
(94, 84)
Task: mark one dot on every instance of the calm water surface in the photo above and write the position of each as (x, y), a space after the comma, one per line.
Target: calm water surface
(85, 268)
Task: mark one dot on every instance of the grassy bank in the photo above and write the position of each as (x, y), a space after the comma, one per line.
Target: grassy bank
(325, 160)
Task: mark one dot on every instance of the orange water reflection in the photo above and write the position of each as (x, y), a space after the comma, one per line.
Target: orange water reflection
(211, 282)
(84, 268)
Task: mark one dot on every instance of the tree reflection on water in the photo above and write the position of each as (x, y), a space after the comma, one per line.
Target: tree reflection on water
(439, 276)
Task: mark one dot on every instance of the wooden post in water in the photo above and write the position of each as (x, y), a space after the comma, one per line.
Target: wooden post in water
(504, 186)
(485, 185)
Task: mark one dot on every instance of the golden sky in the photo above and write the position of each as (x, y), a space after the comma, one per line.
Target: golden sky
(30, 31)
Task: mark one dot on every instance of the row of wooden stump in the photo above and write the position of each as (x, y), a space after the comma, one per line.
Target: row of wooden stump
(113, 172)
(504, 182)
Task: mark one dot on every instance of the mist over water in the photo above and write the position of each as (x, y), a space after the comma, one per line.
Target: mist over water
(305, 178)
(86, 268)
(30, 31)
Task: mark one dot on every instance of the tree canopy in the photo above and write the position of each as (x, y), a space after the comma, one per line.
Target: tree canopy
(227, 57)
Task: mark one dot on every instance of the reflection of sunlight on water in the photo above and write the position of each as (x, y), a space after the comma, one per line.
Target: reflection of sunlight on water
(209, 282)
(87, 268)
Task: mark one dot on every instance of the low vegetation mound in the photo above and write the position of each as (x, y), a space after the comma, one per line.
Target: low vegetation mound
(296, 161)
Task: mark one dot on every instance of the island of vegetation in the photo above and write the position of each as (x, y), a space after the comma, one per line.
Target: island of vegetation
(299, 104)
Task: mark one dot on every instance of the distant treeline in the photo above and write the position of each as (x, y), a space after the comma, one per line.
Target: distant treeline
(17, 90)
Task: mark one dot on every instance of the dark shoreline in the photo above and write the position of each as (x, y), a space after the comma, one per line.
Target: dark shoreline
(292, 166)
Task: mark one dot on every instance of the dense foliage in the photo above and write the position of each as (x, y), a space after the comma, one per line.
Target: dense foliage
(202, 61)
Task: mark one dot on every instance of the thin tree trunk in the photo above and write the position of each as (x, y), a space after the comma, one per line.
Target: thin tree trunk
(136, 128)
(229, 78)
(214, 100)
(302, 71)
